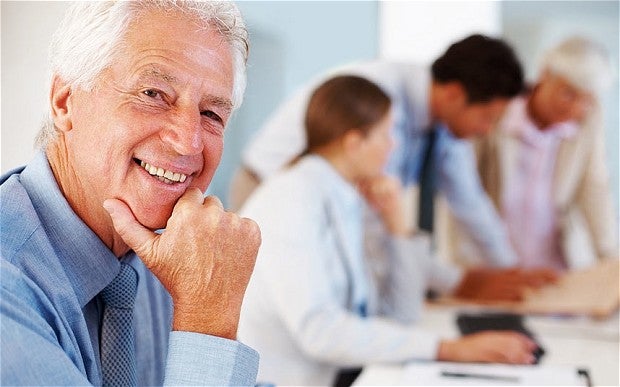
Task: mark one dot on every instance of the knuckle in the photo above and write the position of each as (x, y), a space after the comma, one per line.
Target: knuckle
(213, 201)
(253, 230)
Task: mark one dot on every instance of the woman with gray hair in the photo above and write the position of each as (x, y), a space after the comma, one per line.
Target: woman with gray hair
(544, 167)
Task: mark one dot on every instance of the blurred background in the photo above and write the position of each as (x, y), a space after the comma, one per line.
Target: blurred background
(292, 41)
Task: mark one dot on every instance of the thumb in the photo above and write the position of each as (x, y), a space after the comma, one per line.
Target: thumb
(139, 238)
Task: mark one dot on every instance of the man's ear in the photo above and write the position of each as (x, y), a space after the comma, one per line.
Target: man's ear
(60, 100)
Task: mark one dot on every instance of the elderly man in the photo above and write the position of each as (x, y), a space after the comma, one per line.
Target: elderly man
(544, 167)
(140, 95)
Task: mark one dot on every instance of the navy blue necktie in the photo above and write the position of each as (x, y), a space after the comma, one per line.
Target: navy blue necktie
(118, 361)
(427, 184)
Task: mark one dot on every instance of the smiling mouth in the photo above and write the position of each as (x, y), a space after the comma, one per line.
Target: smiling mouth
(163, 175)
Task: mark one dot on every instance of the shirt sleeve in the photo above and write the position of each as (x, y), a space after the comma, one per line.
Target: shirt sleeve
(198, 359)
(398, 285)
(458, 180)
(402, 270)
(436, 274)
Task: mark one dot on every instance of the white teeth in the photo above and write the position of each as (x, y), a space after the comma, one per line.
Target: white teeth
(163, 175)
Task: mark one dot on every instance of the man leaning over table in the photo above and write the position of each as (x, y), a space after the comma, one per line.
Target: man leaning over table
(140, 95)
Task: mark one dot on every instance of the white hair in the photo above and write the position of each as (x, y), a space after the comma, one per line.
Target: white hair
(581, 62)
(92, 32)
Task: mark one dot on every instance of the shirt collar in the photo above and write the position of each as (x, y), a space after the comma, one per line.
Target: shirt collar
(89, 264)
(338, 187)
(517, 122)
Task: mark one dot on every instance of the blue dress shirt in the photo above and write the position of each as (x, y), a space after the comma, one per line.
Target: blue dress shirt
(53, 267)
(458, 180)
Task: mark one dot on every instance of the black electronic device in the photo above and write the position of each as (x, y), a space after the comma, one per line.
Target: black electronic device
(477, 322)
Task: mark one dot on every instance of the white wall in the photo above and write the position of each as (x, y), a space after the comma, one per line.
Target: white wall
(420, 31)
(26, 30)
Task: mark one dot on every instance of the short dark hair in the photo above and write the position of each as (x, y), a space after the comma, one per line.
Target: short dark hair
(486, 67)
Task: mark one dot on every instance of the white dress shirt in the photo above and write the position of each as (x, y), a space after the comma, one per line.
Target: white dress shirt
(301, 311)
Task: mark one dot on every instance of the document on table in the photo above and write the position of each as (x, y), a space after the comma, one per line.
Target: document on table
(453, 374)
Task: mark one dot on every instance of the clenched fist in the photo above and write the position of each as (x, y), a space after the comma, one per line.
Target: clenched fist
(204, 258)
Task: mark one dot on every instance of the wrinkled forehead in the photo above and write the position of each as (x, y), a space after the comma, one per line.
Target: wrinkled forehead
(168, 47)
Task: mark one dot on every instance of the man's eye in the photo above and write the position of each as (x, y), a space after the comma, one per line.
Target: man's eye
(151, 93)
(210, 114)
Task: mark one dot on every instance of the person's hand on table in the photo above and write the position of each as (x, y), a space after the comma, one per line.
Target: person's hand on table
(493, 284)
(489, 347)
(204, 258)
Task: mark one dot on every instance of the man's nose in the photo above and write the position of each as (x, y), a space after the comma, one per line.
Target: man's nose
(185, 133)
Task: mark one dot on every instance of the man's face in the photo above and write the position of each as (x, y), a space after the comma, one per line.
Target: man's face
(555, 100)
(475, 119)
(161, 106)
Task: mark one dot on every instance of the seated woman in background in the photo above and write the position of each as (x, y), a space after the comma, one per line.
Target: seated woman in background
(312, 306)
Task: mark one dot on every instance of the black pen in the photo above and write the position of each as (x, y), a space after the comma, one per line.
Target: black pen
(502, 378)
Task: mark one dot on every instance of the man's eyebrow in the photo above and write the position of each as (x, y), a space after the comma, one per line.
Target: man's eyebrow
(223, 103)
(157, 73)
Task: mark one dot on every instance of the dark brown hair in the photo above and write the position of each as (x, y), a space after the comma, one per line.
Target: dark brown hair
(487, 68)
(343, 103)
